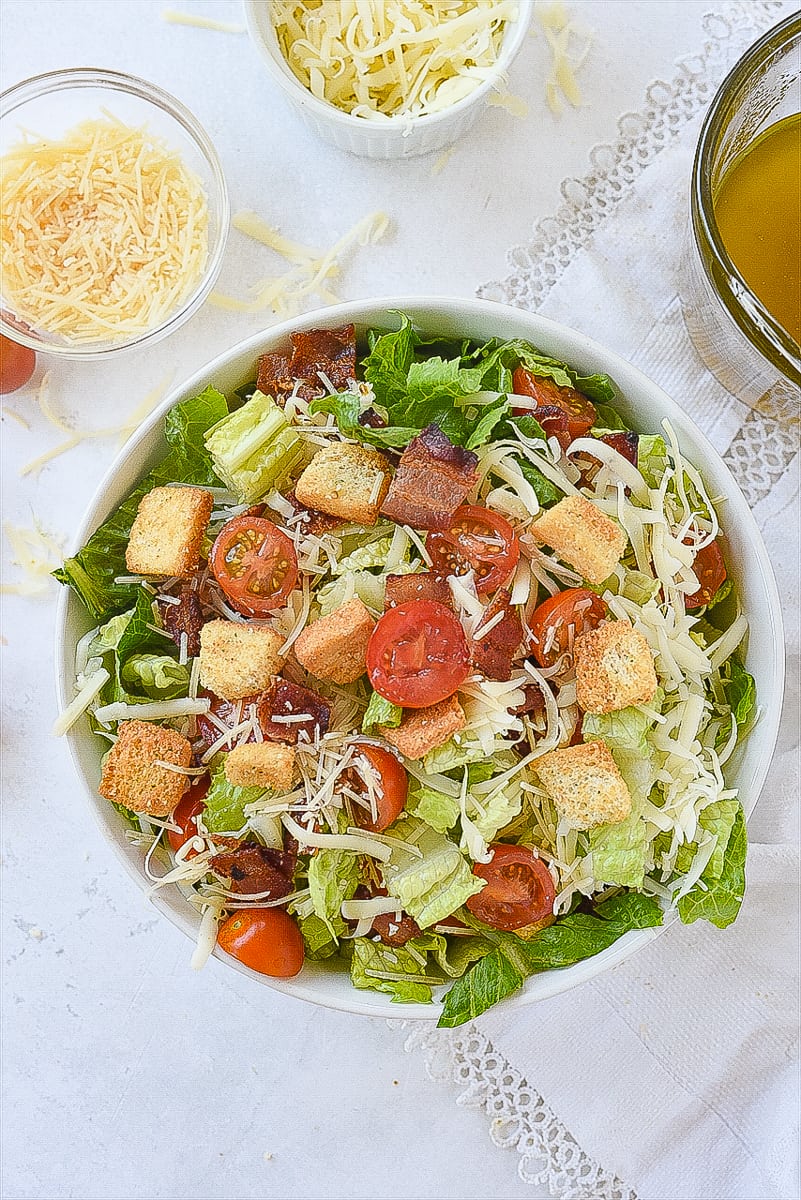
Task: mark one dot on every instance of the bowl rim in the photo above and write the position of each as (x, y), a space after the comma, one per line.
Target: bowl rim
(34, 87)
(365, 312)
(402, 126)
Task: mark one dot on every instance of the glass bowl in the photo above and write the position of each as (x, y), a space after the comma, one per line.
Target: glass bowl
(49, 106)
(738, 339)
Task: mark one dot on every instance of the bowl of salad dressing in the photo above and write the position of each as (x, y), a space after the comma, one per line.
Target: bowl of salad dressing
(742, 278)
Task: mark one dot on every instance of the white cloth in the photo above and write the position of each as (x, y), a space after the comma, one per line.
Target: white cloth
(675, 1075)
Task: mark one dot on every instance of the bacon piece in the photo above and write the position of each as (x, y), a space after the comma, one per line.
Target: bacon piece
(184, 617)
(225, 711)
(330, 351)
(432, 479)
(625, 442)
(394, 932)
(494, 653)
(287, 699)
(311, 519)
(253, 869)
(400, 589)
(555, 423)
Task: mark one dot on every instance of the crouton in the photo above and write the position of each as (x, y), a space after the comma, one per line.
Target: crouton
(423, 729)
(614, 668)
(585, 785)
(335, 647)
(345, 481)
(238, 659)
(261, 765)
(132, 774)
(583, 536)
(167, 531)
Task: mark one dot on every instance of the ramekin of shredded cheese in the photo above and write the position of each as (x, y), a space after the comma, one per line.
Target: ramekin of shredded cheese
(114, 213)
(389, 78)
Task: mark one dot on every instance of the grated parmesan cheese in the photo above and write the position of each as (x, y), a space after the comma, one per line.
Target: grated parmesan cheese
(380, 59)
(104, 233)
(172, 17)
(36, 553)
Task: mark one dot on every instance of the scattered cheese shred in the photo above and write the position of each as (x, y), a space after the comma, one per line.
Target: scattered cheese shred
(569, 46)
(516, 106)
(104, 233)
(380, 59)
(181, 18)
(36, 553)
(285, 294)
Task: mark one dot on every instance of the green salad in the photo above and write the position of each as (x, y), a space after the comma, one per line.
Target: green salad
(413, 657)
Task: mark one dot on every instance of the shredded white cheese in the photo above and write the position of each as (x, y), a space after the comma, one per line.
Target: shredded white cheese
(81, 702)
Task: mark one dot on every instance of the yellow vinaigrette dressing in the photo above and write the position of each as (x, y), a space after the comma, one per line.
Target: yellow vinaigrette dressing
(758, 211)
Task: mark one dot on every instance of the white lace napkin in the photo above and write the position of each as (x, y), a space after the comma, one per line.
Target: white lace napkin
(675, 1076)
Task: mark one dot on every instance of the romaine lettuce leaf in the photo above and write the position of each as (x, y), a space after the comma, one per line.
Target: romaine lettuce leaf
(618, 852)
(254, 448)
(364, 584)
(333, 877)
(740, 690)
(225, 804)
(718, 899)
(124, 638)
(157, 675)
(373, 956)
(317, 937)
(439, 811)
(92, 571)
(718, 819)
(453, 956)
(433, 887)
(381, 711)
(625, 733)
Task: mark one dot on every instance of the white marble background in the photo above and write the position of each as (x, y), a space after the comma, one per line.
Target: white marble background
(126, 1074)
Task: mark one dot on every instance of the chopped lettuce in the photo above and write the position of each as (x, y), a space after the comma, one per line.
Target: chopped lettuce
(718, 819)
(439, 811)
(625, 733)
(333, 877)
(381, 711)
(254, 448)
(225, 804)
(127, 639)
(368, 587)
(369, 956)
(317, 937)
(618, 852)
(157, 675)
(454, 957)
(433, 887)
(740, 690)
(93, 570)
(717, 899)
(490, 814)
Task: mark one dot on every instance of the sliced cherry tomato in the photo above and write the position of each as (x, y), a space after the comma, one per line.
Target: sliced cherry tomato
(519, 893)
(418, 654)
(580, 411)
(255, 564)
(711, 572)
(478, 539)
(391, 783)
(265, 939)
(185, 814)
(559, 619)
(17, 364)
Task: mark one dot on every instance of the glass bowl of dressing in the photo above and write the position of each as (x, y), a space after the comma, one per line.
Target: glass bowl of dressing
(742, 270)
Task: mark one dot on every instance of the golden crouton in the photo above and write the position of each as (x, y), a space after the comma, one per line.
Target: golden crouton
(167, 531)
(261, 765)
(132, 775)
(585, 785)
(423, 729)
(345, 481)
(584, 537)
(237, 659)
(335, 647)
(614, 668)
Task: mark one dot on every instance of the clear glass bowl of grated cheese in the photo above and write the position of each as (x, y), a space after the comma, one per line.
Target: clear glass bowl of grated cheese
(115, 213)
(469, 53)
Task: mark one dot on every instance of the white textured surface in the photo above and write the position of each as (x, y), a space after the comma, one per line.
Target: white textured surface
(125, 1074)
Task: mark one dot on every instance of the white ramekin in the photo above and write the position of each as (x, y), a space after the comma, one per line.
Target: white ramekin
(399, 137)
(642, 402)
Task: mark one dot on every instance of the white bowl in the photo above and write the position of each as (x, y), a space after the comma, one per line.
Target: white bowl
(399, 137)
(641, 401)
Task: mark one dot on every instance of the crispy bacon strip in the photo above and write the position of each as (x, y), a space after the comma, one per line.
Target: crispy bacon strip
(494, 653)
(286, 699)
(393, 932)
(312, 520)
(400, 589)
(330, 351)
(185, 617)
(253, 868)
(432, 479)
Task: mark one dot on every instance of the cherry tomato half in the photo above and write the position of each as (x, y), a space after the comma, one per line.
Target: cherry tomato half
(479, 539)
(710, 569)
(561, 618)
(184, 815)
(391, 786)
(579, 410)
(418, 654)
(255, 564)
(265, 939)
(17, 364)
(519, 893)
